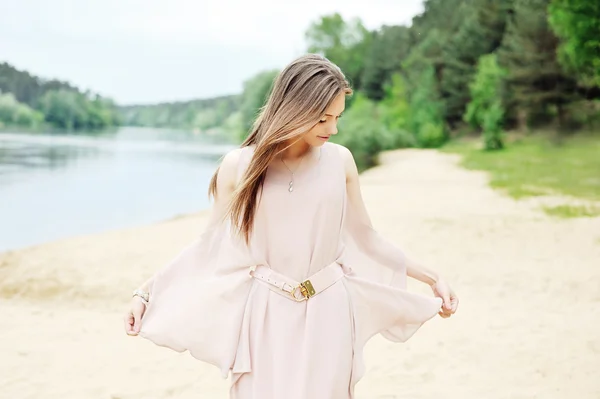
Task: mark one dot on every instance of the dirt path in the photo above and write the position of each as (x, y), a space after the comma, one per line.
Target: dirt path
(527, 327)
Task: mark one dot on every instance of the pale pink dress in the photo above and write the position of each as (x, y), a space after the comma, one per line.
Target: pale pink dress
(206, 301)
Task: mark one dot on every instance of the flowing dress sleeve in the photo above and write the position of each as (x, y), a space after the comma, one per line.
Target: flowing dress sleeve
(376, 276)
(378, 280)
(197, 300)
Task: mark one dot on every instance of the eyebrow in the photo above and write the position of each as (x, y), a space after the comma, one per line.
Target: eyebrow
(334, 115)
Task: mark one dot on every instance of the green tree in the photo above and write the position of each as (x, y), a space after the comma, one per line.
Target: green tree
(25, 87)
(430, 33)
(577, 23)
(395, 113)
(71, 110)
(254, 96)
(101, 112)
(362, 131)
(205, 119)
(64, 109)
(481, 32)
(63, 105)
(390, 46)
(485, 111)
(427, 111)
(203, 114)
(344, 43)
(13, 113)
(535, 79)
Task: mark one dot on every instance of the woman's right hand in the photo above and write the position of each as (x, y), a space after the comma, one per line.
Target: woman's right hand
(133, 317)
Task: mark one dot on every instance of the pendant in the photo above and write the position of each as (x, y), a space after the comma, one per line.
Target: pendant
(291, 186)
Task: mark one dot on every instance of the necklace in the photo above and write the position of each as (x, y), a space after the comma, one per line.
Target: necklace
(291, 185)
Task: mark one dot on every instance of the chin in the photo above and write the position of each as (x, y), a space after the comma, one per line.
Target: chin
(318, 142)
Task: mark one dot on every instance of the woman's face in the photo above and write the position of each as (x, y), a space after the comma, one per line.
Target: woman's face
(327, 125)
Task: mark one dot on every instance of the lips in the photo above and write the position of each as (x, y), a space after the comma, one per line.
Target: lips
(323, 138)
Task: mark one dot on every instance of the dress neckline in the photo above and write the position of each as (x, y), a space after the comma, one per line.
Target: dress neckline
(281, 175)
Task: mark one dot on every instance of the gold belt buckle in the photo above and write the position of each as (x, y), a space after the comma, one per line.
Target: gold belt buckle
(306, 291)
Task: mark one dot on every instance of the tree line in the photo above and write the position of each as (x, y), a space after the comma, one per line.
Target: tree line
(208, 115)
(32, 102)
(483, 66)
(467, 65)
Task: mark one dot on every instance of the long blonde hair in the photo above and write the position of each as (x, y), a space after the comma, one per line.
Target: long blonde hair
(299, 97)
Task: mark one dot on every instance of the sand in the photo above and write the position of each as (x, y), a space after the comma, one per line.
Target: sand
(527, 326)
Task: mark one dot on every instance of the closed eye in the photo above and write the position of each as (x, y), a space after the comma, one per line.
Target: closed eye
(337, 117)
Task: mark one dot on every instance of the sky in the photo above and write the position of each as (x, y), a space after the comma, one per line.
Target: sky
(142, 52)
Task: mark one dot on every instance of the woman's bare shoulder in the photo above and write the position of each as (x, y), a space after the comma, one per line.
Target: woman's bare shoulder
(233, 163)
(347, 158)
(228, 167)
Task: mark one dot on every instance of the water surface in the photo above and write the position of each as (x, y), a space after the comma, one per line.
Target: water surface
(60, 185)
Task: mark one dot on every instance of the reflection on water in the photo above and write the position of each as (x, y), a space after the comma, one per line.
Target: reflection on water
(54, 185)
(16, 156)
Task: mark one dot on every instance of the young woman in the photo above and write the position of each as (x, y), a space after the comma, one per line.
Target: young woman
(289, 280)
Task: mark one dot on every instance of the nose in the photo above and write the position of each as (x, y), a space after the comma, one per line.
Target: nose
(332, 130)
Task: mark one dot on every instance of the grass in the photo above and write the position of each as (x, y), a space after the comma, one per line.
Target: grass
(571, 211)
(537, 165)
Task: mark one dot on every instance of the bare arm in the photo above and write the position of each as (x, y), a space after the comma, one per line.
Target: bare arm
(355, 201)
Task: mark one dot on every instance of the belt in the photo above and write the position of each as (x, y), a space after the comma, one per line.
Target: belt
(298, 291)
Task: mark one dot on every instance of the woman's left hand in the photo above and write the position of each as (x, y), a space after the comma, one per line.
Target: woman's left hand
(442, 290)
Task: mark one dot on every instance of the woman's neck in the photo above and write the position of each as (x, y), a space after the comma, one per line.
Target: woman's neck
(299, 149)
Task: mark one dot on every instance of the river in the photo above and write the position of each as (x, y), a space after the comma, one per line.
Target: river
(59, 185)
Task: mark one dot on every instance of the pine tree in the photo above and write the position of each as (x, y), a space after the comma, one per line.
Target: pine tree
(389, 48)
(480, 33)
(535, 79)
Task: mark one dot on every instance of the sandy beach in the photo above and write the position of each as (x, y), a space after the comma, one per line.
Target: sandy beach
(527, 326)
